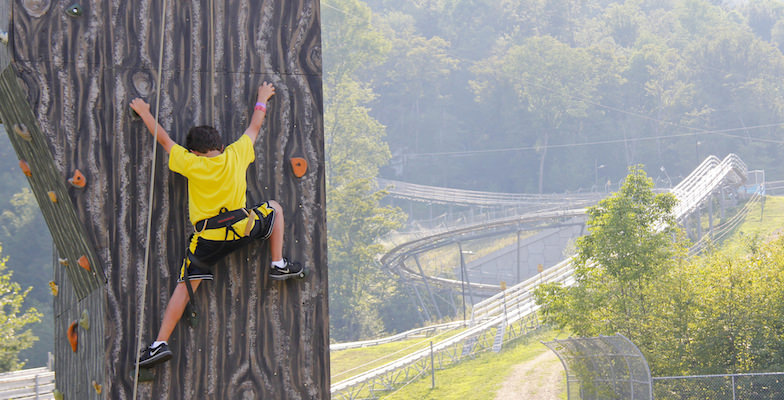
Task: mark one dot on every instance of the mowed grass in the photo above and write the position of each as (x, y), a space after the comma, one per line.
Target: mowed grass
(764, 220)
(347, 363)
(481, 377)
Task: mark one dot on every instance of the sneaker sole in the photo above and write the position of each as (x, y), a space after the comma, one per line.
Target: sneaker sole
(300, 275)
(157, 359)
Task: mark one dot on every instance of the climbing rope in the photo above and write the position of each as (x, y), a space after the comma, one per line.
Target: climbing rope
(149, 202)
(212, 63)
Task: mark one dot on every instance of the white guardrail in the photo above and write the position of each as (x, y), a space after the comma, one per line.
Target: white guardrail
(427, 330)
(27, 384)
(517, 302)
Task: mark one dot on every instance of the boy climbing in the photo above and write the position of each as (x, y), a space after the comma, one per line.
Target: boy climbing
(217, 207)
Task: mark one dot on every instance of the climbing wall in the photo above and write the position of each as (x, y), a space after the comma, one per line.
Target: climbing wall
(74, 69)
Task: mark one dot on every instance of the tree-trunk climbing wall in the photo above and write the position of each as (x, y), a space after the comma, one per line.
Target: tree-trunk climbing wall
(74, 68)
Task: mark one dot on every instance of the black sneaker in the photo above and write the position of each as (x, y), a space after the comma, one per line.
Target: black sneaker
(154, 355)
(289, 270)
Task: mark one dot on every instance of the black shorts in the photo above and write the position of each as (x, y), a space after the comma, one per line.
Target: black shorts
(209, 252)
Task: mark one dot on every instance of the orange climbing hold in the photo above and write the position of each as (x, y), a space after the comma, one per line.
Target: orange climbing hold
(98, 387)
(25, 168)
(53, 197)
(299, 166)
(84, 262)
(73, 336)
(78, 180)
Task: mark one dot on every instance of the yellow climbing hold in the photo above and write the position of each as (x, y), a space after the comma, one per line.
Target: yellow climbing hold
(54, 287)
(58, 395)
(98, 387)
(22, 131)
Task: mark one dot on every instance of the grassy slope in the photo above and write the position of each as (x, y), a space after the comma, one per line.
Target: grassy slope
(347, 363)
(764, 220)
(479, 379)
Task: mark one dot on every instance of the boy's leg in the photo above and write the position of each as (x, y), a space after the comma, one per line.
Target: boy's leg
(159, 352)
(175, 308)
(281, 268)
(276, 237)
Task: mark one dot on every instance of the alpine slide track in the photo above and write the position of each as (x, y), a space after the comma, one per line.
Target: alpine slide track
(507, 314)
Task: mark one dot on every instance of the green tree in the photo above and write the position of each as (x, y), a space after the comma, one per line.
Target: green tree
(551, 81)
(737, 324)
(629, 248)
(355, 149)
(28, 245)
(13, 321)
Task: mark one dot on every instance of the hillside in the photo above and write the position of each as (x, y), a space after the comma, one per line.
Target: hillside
(499, 376)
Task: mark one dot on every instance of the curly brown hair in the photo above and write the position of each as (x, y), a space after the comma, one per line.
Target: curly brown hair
(203, 139)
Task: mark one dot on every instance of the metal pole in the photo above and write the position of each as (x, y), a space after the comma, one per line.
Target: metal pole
(411, 285)
(465, 271)
(422, 302)
(710, 215)
(432, 368)
(506, 317)
(518, 257)
(462, 279)
(427, 286)
(733, 388)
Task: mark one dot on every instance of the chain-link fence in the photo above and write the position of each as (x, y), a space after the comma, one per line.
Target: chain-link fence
(604, 367)
(760, 386)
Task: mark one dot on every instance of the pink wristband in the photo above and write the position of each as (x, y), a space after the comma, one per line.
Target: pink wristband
(261, 106)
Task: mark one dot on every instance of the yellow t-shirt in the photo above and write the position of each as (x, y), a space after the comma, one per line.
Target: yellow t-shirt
(215, 182)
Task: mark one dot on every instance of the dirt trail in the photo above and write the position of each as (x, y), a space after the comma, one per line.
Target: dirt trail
(541, 379)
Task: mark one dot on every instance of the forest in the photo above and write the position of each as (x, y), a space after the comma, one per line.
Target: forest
(536, 96)
(522, 96)
(550, 89)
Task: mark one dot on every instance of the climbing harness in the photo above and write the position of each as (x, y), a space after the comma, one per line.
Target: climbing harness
(226, 219)
(150, 201)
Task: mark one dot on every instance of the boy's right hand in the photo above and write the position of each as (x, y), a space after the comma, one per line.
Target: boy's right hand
(140, 106)
(266, 90)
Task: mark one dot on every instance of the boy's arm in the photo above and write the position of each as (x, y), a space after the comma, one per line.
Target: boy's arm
(143, 109)
(266, 90)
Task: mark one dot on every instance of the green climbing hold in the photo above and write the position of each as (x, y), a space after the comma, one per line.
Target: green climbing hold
(193, 318)
(74, 10)
(84, 322)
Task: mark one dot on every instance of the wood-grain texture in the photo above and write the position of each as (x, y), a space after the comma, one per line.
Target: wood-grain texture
(45, 179)
(5, 19)
(76, 371)
(256, 338)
